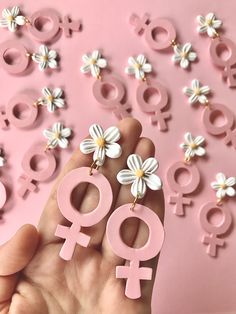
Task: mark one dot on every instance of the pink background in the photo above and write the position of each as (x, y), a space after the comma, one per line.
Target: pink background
(188, 280)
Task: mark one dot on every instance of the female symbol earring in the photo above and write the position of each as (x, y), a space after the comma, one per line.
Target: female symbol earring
(3, 193)
(141, 175)
(52, 99)
(183, 54)
(45, 58)
(210, 25)
(12, 19)
(198, 94)
(102, 144)
(56, 136)
(93, 63)
(193, 148)
(139, 67)
(223, 187)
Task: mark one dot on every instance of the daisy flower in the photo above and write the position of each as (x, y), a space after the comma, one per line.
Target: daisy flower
(224, 186)
(141, 175)
(11, 19)
(57, 136)
(93, 63)
(52, 98)
(184, 55)
(138, 67)
(192, 146)
(209, 24)
(45, 58)
(197, 92)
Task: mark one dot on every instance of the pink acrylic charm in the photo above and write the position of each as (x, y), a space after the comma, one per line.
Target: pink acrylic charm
(229, 71)
(10, 116)
(3, 198)
(8, 65)
(31, 173)
(180, 200)
(157, 115)
(143, 25)
(73, 235)
(120, 109)
(227, 128)
(134, 273)
(212, 240)
(44, 36)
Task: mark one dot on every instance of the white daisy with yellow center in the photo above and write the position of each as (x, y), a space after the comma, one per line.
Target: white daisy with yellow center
(197, 92)
(11, 19)
(93, 63)
(224, 186)
(57, 136)
(45, 58)
(209, 24)
(193, 146)
(138, 66)
(52, 98)
(184, 55)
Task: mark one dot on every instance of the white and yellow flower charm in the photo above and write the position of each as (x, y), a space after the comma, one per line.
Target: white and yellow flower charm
(141, 175)
(12, 19)
(197, 92)
(192, 146)
(224, 186)
(2, 159)
(52, 99)
(183, 54)
(45, 58)
(209, 24)
(57, 136)
(138, 66)
(93, 63)
(102, 144)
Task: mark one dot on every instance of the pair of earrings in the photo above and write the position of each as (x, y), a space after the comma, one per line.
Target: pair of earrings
(3, 192)
(141, 175)
(139, 67)
(198, 94)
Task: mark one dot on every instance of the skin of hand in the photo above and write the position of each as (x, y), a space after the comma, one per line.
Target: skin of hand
(35, 280)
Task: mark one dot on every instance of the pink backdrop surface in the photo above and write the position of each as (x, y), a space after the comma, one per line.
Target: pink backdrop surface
(188, 280)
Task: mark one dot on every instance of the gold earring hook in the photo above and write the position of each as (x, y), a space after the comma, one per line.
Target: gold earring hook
(134, 202)
(93, 166)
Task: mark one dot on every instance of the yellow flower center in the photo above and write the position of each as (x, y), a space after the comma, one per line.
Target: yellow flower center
(209, 22)
(57, 135)
(193, 145)
(223, 186)
(197, 91)
(93, 61)
(184, 54)
(45, 58)
(138, 66)
(100, 142)
(50, 98)
(139, 173)
(10, 18)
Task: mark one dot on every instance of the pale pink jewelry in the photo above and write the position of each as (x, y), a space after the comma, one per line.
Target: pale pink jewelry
(13, 20)
(139, 67)
(192, 147)
(51, 99)
(57, 136)
(93, 64)
(141, 175)
(198, 94)
(101, 144)
(224, 187)
(210, 25)
(45, 58)
(183, 54)
(3, 193)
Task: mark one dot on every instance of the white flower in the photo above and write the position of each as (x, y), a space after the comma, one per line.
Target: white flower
(208, 24)
(196, 92)
(57, 136)
(224, 186)
(11, 19)
(102, 143)
(2, 159)
(192, 146)
(140, 174)
(184, 55)
(45, 58)
(138, 67)
(93, 63)
(52, 98)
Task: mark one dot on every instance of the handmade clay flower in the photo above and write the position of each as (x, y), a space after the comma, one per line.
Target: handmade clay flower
(2, 159)
(138, 67)
(57, 136)
(93, 63)
(197, 92)
(208, 24)
(45, 58)
(11, 19)
(224, 186)
(140, 174)
(52, 98)
(184, 55)
(102, 143)
(192, 146)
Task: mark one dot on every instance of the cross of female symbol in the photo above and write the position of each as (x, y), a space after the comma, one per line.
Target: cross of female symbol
(134, 273)
(73, 234)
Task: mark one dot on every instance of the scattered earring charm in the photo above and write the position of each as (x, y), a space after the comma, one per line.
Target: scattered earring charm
(223, 187)
(93, 63)
(138, 67)
(12, 19)
(209, 24)
(197, 93)
(52, 99)
(192, 146)
(45, 58)
(57, 136)
(183, 54)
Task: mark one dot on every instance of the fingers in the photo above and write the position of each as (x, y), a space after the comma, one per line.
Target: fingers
(51, 216)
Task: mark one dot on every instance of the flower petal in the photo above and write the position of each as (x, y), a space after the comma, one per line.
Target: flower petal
(36, 57)
(113, 150)
(52, 64)
(112, 134)
(132, 62)
(87, 146)
(199, 140)
(99, 155)
(63, 142)
(53, 143)
(184, 63)
(195, 84)
(188, 138)
(220, 177)
(141, 59)
(217, 23)
(202, 99)
(138, 188)
(215, 185)
(205, 90)
(202, 29)
(86, 58)
(193, 99)
(192, 56)
(48, 134)
(20, 20)
(102, 63)
(3, 23)
(188, 91)
(187, 47)
(2, 161)
(230, 191)
(150, 165)
(43, 65)
(57, 127)
(210, 17)
(43, 50)
(46, 92)
(147, 68)
(95, 70)
(126, 176)
(12, 26)
(59, 102)
(201, 19)
(200, 151)
(6, 13)
(52, 54)
(134, 162)
(85, 68)
(66, 132)
(96, 55)
(211, 32)
(130, 70)
(96, 131)
(57, 92)
(15, 11)
(230, 181)
(221, 193)
(153, 182)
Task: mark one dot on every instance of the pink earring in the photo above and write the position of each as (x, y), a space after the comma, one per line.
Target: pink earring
(102, 144)
(139, 67)
(197, 94)
(141, 175)
(57, 136)
(52, 99)
(193, 148)
(183, 54)
(224, 188)
(93, 63)
(13, 20)
(210, 25)
(3, 193)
